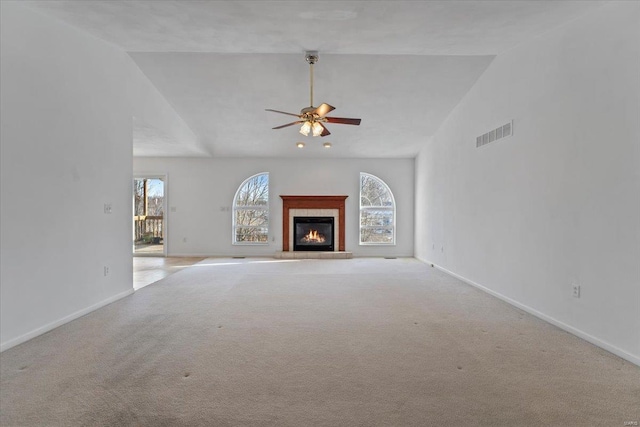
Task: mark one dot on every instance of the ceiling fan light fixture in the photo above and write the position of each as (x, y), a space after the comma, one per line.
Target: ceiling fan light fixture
(312, 118)
(300, 144)
(327, 145)
(306, 128)
(317, 129)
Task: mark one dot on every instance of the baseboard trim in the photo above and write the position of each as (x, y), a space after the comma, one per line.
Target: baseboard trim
(46, 328)
(568, 328)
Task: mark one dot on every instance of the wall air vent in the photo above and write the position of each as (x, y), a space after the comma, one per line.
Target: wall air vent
(495, 134)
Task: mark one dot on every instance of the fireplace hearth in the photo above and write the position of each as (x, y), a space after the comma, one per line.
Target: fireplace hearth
(313, 233)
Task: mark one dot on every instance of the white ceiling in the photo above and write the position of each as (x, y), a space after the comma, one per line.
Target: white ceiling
(401, 66)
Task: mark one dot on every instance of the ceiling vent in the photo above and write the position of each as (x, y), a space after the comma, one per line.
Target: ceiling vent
(495, 134)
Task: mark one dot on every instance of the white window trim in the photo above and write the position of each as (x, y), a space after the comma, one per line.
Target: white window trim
(392, 208)
(234, 208)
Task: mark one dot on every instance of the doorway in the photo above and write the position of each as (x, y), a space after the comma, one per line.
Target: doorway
(149, 207)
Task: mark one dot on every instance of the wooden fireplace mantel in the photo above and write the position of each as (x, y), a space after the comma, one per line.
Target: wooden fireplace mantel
(312, 202)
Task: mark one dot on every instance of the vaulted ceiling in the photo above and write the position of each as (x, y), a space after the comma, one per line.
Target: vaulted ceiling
(400, 66)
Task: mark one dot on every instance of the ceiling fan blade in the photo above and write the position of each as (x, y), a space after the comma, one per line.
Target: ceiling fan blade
(324, 109)
(288, 124)
(325, 131)
(342, 120)
(282, 112)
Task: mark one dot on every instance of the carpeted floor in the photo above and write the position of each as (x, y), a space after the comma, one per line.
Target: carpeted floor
(361, 342)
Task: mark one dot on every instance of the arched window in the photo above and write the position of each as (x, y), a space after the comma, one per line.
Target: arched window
(251, 211)
(377, 212)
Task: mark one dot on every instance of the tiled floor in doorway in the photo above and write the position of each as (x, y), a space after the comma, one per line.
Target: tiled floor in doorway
(147, 270)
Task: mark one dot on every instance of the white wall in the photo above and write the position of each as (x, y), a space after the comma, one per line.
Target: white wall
(559, 201)
(67, 101)
(199, 190)
(155, 122)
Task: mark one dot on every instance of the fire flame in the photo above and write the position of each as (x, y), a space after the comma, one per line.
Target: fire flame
(313, 237)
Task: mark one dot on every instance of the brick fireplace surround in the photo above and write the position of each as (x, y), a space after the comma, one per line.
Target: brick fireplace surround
(312, 202)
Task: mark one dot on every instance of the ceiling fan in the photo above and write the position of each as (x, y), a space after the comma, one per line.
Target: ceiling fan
(313, 118)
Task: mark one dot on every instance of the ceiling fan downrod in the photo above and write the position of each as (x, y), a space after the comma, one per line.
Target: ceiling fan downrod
(312, 58)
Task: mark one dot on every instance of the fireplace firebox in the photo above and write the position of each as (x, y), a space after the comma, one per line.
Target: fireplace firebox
(313, 233)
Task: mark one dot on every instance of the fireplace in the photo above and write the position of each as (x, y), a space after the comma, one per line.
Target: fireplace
(313, 206)
(313, 233)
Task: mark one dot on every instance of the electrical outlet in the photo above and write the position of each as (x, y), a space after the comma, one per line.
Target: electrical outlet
(106, 271)
(576, 290)
(107, 208)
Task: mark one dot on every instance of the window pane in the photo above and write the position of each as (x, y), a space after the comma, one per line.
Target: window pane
(373, 192)
(377, 211)
(255, 217)
(153, 190)
(254, 192)
(377, 217)
(138, 194)
(155, 197)
(251, 210)
(252, 234)
(376, 235)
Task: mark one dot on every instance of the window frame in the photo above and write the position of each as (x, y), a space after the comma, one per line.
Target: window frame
(391, 209)
(235, 208)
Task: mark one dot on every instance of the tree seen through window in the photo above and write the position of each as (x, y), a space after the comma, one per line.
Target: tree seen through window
(377, 212)
(251, 210)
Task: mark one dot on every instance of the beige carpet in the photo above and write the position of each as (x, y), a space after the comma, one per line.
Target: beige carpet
(361, 342)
